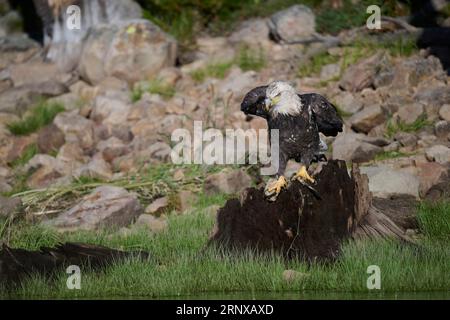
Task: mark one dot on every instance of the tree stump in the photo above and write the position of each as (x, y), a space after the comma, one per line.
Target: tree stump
(298, 224)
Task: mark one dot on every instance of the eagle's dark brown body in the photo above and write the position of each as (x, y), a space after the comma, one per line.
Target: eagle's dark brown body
(293, 142)
(299, 133)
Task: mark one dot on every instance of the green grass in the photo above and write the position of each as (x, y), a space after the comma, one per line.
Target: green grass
(185, 19)
(360, 48)
(39, 116)
(29, 152)
(316, 63)
(247, 59)
(390, 155)
(251, 59)
(434, 220)
(155, 86)
(214, 70)
(394, 127)
(181, 267)
(351, 14)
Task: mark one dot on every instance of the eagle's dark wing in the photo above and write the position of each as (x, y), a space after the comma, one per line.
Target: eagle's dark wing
(328, 120)
(253, 102)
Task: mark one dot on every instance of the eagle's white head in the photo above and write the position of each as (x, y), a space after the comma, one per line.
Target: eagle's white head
(281, 98)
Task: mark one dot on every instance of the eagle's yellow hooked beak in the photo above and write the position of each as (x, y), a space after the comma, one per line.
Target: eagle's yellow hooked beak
(269, 102)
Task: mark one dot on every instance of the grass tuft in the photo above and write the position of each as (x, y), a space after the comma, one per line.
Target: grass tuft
(390, 155)
(214, 70)
(394, 127)
(39, 116)
(155, 86)
(250, 59)
(434, 220)
(28, 153)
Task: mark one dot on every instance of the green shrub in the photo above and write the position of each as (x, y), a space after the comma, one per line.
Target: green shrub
(39, 116)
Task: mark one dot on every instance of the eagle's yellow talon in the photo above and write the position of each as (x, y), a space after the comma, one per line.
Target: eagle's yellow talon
(274, 188)
(303, 175)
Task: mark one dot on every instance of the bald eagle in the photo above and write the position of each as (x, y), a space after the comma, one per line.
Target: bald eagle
(299, 119)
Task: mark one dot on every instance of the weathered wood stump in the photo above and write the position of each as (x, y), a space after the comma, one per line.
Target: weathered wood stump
(298, 224)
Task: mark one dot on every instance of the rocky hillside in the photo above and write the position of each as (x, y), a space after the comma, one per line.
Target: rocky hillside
(82, 134)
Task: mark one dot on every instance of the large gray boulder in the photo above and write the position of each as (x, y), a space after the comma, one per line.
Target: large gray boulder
(296, 23)
(132, 50)
(227, 182)
(356, 147)
(105, 207)
(385, 182)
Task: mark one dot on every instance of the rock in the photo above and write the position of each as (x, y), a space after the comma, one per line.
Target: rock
(237, 82)
(385, 182)
(17, 48)
(50, 139)
(186, 200)
(157, 206)
(368, 118)
(227, 182)
(439, 192)
(132, 50)
(76, 128)
(6, 118)
(112, 148)
(354, 147)
(214, 49)
(427, 140)
(394, 102)
(110, 112)
(34, 73)
(292, 275)
(444, 112)
(170, 76)
(442, 128)
(17, 146)
(410, 113)
(360, 75)
(433, 95)
(97, 168)
(46, 170)
(106, 207)
(438, 153)
(178, 175)
(330, 71)
(9, 206)
(394, 146)
(159, 151)
(10, 22)
(72, 153)
(154, 224)
(5, 187)
(348, 103)
(414, 70)
(84, 90)
(253, 32)
(406, 139)
(69, 100)
(293, 24)
(18, 100)
(212, 210)
(430, 174)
